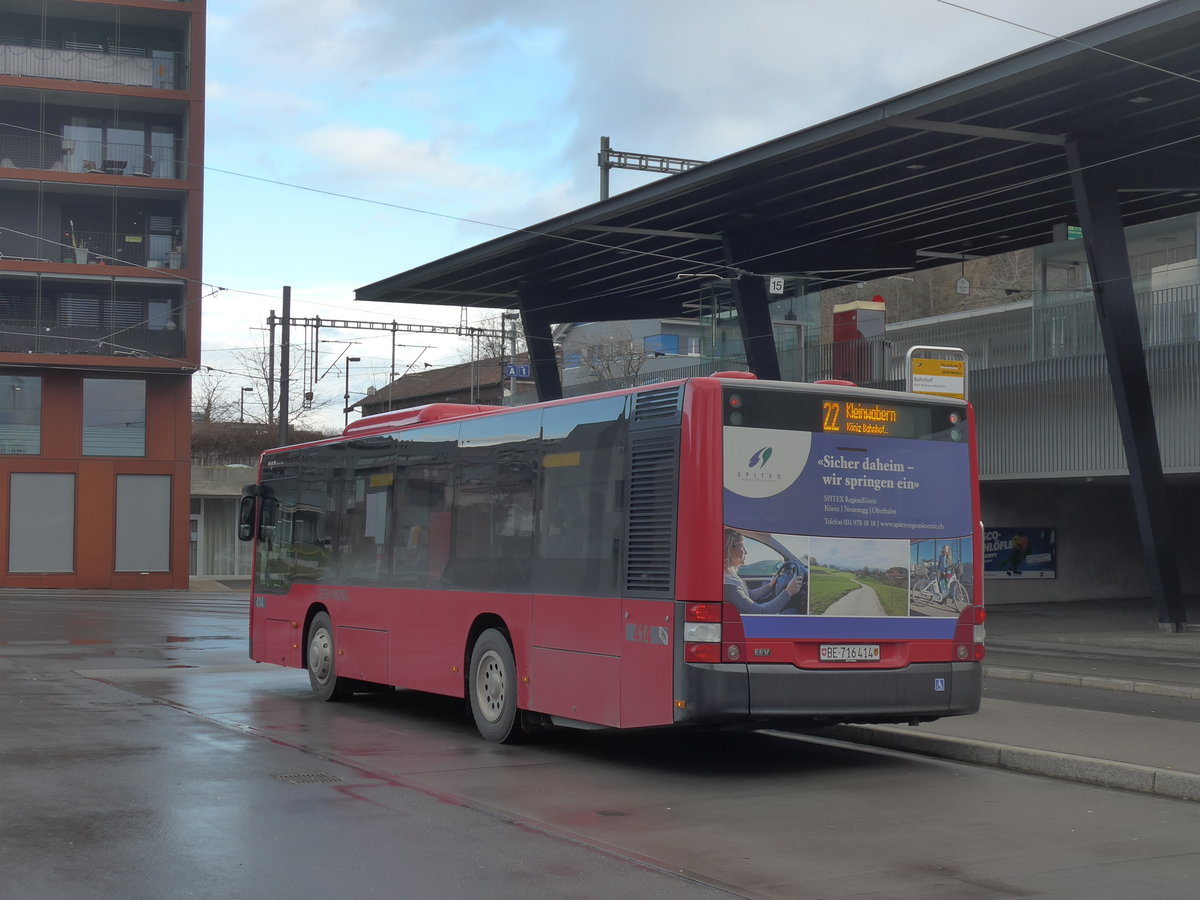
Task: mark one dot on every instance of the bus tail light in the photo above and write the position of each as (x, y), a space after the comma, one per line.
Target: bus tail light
(702, 653)
(971, 629)
(978, 634)
(702, 632)
(702, 612)
(980, 630)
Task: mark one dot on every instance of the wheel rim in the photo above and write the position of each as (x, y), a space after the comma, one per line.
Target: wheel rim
(490, 686)
(320, 655)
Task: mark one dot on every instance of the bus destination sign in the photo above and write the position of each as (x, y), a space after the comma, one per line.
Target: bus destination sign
(853, 417)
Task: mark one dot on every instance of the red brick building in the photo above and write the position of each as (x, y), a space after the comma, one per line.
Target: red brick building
(101, 180)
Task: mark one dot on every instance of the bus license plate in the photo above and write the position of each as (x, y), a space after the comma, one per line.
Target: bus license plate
(849, 653)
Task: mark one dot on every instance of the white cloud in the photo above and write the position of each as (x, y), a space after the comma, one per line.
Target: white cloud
(378, 155)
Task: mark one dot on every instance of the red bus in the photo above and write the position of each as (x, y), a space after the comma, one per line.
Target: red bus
(712, 550)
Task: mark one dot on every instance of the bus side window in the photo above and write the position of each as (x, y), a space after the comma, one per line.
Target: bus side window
(424, 487)
(494, 501)
(582, 491)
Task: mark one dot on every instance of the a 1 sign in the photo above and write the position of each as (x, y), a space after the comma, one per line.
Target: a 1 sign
(513, 370)
(775, 284)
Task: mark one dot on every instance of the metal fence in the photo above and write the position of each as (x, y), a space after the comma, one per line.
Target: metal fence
(1039, 380)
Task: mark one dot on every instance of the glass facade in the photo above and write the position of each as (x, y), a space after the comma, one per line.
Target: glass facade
(114, 417)
(1163, 263)
(20, 415)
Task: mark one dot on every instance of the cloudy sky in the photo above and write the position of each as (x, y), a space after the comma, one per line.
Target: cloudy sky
(349, 140)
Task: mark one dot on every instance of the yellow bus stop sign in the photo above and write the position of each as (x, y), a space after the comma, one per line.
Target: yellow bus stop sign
(942, 377)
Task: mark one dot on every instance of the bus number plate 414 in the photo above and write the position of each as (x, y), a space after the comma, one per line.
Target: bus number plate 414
(849, 653)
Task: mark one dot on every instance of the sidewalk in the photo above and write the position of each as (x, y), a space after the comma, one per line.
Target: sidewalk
(1096, 645)
(201, 585)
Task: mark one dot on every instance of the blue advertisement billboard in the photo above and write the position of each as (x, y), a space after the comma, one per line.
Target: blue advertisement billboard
(832, 535)
(1019, 552)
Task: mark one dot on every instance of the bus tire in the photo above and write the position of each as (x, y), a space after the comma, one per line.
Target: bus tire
(319, 659)
(492, 687)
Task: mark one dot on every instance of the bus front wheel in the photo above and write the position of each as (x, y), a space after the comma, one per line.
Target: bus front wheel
(319, 660)
(492, 687)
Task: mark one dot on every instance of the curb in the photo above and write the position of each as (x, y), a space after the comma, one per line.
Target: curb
(1063, 766)
(1129, 685)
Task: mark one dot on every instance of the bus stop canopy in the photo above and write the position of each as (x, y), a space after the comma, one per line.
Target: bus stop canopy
(971, 166)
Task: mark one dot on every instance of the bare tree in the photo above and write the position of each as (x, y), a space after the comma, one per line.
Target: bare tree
(615, 359)
(1009, 276)
(210, 400)
(261, 405)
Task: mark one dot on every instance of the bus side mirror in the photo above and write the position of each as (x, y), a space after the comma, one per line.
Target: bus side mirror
(246, 517)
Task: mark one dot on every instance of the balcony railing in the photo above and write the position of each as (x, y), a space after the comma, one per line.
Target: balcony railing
(93, 248)
(94, 340)
(90, 157)
(132, 66)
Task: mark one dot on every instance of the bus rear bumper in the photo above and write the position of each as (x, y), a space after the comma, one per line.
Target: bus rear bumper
(730, 692)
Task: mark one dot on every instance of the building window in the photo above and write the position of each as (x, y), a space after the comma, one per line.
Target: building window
(20, 415)
(671, 345)
(143, 533)
(114, 417)
(41, 522)
(661, 344)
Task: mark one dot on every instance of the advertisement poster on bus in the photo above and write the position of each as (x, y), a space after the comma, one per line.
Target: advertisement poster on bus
(818, 528)
(1024, 552)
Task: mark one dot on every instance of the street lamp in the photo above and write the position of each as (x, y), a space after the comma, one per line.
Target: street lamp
(242, 403)
(346, 405)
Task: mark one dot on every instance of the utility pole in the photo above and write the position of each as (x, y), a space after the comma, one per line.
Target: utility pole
(312, 328)
(609, 159)
(346, 403)
(510, 326)
(270, 365)
(285, 350)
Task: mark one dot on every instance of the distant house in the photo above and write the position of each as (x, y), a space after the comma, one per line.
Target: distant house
(478, 381)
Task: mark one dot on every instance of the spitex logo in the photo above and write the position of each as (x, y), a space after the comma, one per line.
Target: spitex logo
(762, 462)
(760, 457)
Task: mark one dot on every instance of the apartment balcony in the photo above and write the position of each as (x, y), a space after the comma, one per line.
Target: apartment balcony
(91, 340)
(58, 315)
(53, 154)
(95, 248)
(93, 62)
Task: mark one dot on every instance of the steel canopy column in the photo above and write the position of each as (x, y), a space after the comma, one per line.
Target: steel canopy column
(754, 315)
(750, 298)
(1095, 186)
(543, 361)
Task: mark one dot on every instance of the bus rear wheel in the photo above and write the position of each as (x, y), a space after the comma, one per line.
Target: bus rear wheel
(492, 687)
(319, 660)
